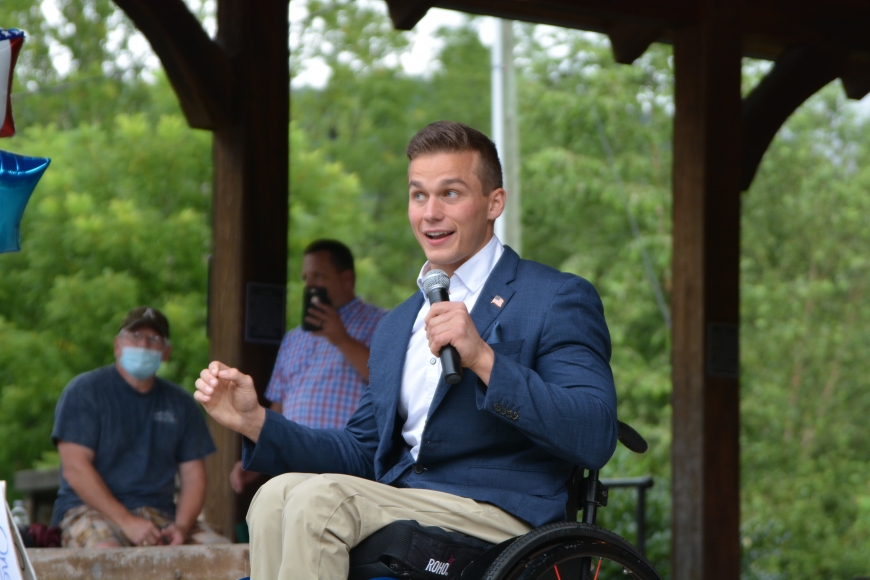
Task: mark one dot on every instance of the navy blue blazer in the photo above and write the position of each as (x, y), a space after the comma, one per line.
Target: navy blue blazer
(550, 403)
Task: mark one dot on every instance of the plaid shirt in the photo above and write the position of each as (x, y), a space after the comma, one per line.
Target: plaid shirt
(312, 380)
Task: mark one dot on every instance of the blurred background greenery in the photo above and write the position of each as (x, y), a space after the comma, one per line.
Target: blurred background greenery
(122, 218)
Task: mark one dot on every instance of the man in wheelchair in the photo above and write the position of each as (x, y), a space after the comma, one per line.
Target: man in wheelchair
(488, 456)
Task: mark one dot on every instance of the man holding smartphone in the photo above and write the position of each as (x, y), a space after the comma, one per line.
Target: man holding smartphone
(322, 365)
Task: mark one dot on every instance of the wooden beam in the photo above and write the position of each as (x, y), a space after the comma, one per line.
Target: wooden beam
(584, 14)
(629, 40)
(250, 209)
(797, 75)
(768, 26)
(195, 65)
(405, 14)
(811, 22)
(187, 562)
(856, 79)
(705, 300)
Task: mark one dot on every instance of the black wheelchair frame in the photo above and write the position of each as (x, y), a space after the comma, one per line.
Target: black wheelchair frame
(579, 550)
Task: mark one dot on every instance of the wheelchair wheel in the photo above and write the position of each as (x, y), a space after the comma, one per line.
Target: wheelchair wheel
(570, 550)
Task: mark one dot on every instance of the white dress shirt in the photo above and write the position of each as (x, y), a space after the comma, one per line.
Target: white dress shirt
(423, 369)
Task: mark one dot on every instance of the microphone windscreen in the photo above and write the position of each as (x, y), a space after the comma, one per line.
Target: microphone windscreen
(435, 279)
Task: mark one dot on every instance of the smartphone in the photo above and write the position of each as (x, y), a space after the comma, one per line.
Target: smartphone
(312, 295)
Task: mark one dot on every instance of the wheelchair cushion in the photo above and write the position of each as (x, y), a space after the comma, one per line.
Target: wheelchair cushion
(405, 549)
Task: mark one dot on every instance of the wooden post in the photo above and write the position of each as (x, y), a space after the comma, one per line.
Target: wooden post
(250, 209)
(705, 300)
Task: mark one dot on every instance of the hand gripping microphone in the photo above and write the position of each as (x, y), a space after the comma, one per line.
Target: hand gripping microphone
(436, 283)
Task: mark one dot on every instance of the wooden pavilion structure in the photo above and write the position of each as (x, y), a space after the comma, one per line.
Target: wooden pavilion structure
(237, 86)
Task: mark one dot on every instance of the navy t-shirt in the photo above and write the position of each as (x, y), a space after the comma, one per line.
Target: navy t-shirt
(138, 439)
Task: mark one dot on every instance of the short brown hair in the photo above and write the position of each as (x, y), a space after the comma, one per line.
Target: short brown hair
(449, 137)
(339, 254)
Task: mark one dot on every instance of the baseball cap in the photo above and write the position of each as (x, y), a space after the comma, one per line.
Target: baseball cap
(146, 316)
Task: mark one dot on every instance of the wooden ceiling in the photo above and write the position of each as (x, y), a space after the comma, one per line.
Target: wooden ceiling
(812, 42)
(839, 28)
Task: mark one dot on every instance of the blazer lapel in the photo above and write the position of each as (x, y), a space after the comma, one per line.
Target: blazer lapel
(395, 361)
(496, 292)
(485, 312)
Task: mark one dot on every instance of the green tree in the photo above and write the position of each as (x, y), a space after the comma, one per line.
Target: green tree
(120, 219)
(370, 108)
(805, 478)
(104, 76)
(326, 202)
(576, 203)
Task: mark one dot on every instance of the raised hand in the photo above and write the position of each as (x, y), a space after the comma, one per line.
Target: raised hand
(229, 396)
(327, 318)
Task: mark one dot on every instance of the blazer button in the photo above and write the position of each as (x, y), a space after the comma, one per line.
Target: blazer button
(498, 408)
(515, 415)
(418, 468)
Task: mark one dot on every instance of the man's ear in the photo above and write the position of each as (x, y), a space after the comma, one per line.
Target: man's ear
(117, 346)
(166, 352)
(348, 280)
(497, 199)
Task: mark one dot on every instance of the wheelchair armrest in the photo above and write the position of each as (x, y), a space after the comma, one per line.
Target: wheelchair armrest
(631, 438)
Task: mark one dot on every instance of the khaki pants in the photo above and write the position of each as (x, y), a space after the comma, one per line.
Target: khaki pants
(303, 526)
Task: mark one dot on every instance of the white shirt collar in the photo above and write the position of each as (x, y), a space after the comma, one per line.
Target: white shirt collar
(472, 274)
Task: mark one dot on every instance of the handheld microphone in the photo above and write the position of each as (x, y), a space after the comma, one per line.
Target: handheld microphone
(436, 284)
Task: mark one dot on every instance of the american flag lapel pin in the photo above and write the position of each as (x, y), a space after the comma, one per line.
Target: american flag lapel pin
(498, 301)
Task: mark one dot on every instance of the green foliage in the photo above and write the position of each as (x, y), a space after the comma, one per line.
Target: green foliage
(34, 372)
(120, 220)
(47, 460)
(576, 207)
(460, 89)
(103, 77)
(364, 118)
(804, 338)
(326, 202)
(349, 37)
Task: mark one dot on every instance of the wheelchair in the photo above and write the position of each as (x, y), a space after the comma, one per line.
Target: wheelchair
(578, 550)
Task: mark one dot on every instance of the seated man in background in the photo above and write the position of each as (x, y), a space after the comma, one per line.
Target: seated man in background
(122, 434)
(320, 375)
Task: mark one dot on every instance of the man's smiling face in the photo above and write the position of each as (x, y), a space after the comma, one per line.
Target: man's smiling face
(451, 217)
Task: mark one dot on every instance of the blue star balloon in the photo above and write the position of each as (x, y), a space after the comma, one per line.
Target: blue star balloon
(18, 176)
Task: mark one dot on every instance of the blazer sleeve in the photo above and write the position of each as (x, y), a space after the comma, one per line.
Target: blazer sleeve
(285, 446)
(565, 400)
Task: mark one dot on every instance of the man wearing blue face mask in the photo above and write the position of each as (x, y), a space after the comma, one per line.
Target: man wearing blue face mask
(123, 434)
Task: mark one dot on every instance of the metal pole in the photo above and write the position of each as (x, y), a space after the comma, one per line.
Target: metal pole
(505, 131)
(642, 484)
(641, 519)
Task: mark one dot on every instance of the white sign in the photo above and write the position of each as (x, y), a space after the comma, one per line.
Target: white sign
(14, 564)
